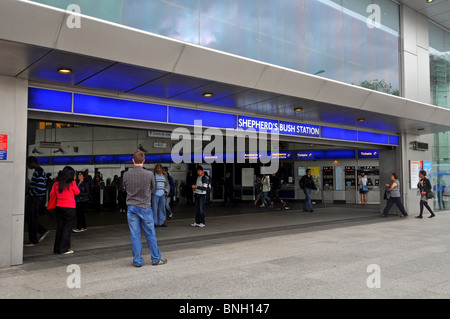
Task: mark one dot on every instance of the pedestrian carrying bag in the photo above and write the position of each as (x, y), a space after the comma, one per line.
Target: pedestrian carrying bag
(51, 205)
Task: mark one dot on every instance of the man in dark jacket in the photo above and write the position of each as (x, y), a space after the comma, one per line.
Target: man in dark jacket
(307, 185)
(82, 200)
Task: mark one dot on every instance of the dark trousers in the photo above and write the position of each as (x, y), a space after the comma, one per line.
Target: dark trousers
(64, 222)
(81, 215)
(200, 208)
(424, 203)
(228, 197)
(33, 206)
(394, 200)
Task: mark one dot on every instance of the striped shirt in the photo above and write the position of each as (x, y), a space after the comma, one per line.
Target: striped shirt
(160, 184)
(38, 184)
(139, 184)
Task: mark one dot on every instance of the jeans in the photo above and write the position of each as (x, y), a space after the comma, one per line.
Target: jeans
(307, 205)
(200, 208)
(138, 217)
(390, 202)
(168, 199)
(159, 209)
(265, 197)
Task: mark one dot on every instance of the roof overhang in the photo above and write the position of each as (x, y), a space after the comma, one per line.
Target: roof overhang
(125, 62)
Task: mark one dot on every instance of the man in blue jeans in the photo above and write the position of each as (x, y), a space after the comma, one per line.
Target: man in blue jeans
(161, 189)
(307, 185)
(139, 183)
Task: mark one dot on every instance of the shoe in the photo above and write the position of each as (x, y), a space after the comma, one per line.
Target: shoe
(262, 205)
(201, 225)
(44, 235)
(418, 216)
(29, 244)
(161, 261)
(77, 230)
(70, 251)
(195, 225)
(432, 216)
(163, 225)
(311, 211)
(170, 217)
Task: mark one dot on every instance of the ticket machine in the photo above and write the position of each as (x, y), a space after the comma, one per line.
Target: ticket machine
(373, 182)
(350, 184)
(328, 184)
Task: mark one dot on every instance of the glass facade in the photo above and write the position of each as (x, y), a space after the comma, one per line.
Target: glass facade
(440, 96)
(328, 38)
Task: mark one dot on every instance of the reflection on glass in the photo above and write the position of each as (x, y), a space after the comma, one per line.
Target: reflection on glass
(440, 96)
(305, 35)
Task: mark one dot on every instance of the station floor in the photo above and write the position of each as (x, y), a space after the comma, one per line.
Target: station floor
(107, 235)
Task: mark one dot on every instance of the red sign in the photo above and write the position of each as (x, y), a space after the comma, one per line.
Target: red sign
(3, 142)
(3, 147)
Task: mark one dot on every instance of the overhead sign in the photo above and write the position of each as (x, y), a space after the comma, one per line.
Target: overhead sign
(299, 129)
(368, 154)
(258, 124)
(3, 147)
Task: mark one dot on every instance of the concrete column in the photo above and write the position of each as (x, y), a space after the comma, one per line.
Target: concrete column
(13, 123)
(416, 86)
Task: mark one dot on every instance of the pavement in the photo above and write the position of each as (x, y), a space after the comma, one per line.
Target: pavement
(250, 253)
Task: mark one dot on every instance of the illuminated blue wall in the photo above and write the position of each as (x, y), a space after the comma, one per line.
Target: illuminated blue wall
(330, 38)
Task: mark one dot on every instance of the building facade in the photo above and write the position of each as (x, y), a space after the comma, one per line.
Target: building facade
(348, 74)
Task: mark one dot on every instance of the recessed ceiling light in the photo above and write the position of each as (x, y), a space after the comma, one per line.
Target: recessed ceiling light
(361, 120)
(64, 71)
(421, 129)
(208, 94)
(430, 1)
(298, 109)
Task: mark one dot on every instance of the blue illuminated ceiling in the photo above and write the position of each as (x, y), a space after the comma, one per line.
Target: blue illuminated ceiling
(39, 65)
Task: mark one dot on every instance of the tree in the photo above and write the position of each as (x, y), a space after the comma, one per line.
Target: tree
(380, 86)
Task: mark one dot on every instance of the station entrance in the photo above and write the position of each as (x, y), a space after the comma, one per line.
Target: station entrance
(105, 153)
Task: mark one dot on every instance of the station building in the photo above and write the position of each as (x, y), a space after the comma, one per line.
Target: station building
(351, 86)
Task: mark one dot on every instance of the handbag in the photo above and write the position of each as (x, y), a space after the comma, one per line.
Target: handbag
(51, 205)
(387, 194)
(365, 188)
(430, 195)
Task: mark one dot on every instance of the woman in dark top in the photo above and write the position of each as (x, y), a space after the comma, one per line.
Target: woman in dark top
(425, 188)
(82, 201)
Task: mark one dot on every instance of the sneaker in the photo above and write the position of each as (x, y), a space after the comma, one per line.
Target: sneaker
(29, 244)
(70, 251)
(77, 230)
(195, 225)
(201, 225)
(44, 235)
(161, 261)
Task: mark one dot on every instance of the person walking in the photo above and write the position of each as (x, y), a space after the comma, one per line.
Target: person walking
(65, 190)
(36, 197)
(139, 184)
(171, 191)
(81, 202)
(425, 190)
(394, 197)
(363, 189)
(258, 190)
(307, 185)
(275, 187)
(159, 197)
(200, 190)
(265, 190)
(228, 190)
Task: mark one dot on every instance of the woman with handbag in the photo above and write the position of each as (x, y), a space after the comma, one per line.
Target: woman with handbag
(65, 190)
(426, 193)
(363, 189)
